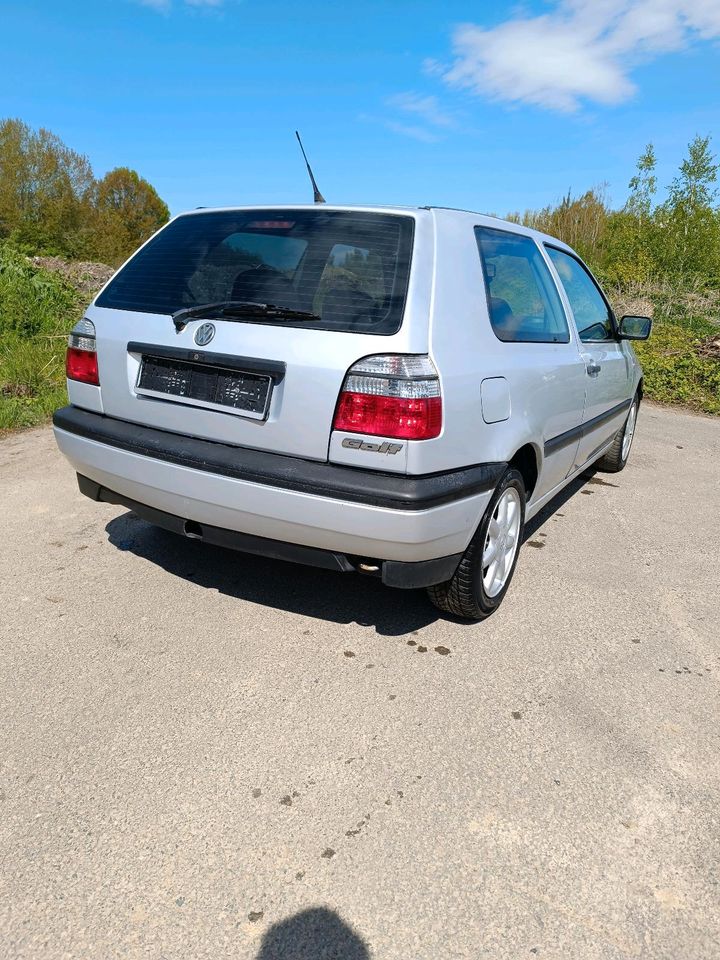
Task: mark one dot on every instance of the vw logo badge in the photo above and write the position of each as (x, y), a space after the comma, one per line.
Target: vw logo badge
(204, 334)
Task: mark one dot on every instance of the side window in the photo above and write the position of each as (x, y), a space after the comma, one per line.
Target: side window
(591, 312)
(524, 304)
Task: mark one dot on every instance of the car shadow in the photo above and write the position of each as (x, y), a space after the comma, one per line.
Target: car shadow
(311, 934)
(557, 502)
(311, 592)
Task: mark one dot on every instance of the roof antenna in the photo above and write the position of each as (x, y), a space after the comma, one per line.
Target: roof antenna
(317, 196)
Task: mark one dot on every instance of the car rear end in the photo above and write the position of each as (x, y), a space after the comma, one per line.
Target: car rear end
(293, 420)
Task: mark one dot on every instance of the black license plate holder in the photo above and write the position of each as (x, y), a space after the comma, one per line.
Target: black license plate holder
(211, 386)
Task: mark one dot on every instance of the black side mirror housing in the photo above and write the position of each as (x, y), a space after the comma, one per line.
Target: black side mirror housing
(634, 328)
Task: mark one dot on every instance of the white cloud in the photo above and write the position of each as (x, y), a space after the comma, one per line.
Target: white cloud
(581, 50)
(426, 113)
(412, 130)
(426, 108)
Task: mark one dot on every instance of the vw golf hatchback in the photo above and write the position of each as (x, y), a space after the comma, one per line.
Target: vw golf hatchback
(386, 391)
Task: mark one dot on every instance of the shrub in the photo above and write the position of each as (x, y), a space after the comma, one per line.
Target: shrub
(32, 301)
(674, 370)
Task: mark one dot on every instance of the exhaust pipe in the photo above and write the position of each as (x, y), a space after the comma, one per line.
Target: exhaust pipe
(193, 530)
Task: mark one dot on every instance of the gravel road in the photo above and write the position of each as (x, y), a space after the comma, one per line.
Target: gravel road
(210, 755)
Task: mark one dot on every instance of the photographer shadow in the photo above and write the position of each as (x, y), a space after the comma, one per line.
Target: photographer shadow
(313, 934)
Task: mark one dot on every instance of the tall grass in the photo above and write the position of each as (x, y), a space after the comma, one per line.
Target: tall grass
(37, 309)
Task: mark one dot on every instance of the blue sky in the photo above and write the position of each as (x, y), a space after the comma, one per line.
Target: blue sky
(494, 107)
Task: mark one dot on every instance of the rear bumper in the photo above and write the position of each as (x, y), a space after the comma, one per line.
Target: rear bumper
(324, 506)
(394, 573)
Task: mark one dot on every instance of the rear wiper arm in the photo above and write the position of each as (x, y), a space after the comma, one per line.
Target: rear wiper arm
(239, 308)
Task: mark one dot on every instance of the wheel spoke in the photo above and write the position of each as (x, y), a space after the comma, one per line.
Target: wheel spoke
(489, 554)
(506, 560)
(491, 575)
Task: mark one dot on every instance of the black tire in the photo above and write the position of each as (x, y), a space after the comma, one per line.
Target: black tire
(613, 461)
(464, 594)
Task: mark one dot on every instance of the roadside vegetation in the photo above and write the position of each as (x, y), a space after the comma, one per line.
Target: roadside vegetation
(37, 308)
(60, 227)
(659, 259)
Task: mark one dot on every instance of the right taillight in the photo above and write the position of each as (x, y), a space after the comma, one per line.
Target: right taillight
(81, 358)
(391, 396)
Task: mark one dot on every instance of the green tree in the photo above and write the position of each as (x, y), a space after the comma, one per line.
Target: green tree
(643, 186)
(580, 221)
(630, 252)
(45, 189)
(51, 203)
(689, 221)
(127, 211)
(698, 174)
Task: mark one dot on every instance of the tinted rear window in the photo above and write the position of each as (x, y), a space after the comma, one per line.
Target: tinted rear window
(349, 268)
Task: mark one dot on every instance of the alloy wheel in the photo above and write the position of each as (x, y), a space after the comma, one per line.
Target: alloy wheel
(629, 431)
(501, 542)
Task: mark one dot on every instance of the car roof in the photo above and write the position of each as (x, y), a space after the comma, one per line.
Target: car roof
(440, 212)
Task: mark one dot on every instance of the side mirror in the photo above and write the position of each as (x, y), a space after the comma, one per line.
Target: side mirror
(634, 328)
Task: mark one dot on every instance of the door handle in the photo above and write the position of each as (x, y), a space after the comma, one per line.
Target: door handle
(593, 369)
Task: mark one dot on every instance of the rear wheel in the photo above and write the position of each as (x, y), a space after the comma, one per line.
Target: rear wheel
(617, 456)
(481, 580)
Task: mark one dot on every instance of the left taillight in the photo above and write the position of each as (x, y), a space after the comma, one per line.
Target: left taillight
(391, 395)
(81, 358)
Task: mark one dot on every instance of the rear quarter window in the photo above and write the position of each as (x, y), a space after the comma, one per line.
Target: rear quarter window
(523, 301)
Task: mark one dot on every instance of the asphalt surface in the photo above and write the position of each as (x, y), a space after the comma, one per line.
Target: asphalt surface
(209, 755)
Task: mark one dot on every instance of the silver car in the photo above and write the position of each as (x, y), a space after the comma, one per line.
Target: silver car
(387, 391)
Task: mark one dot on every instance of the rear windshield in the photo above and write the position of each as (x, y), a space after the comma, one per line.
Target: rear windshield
(350, 269)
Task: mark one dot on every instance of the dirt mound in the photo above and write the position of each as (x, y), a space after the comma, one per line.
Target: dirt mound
(710, 347)
(86, 276)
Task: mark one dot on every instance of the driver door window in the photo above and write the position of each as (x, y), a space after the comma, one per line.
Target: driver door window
(590, 310)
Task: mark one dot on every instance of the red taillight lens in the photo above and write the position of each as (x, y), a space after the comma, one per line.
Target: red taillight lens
(81, 358)
(391, 396)
(82, 365)
(396, 417)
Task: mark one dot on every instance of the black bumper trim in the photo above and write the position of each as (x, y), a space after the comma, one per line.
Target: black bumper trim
(425, 573)
(394, 573)
(393, 491)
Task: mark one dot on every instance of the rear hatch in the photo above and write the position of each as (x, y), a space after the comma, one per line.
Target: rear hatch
(271, 308)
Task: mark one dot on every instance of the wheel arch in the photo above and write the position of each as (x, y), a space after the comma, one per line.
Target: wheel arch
(527, 461)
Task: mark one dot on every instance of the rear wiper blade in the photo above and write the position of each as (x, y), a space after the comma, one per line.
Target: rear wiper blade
(240, 308)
